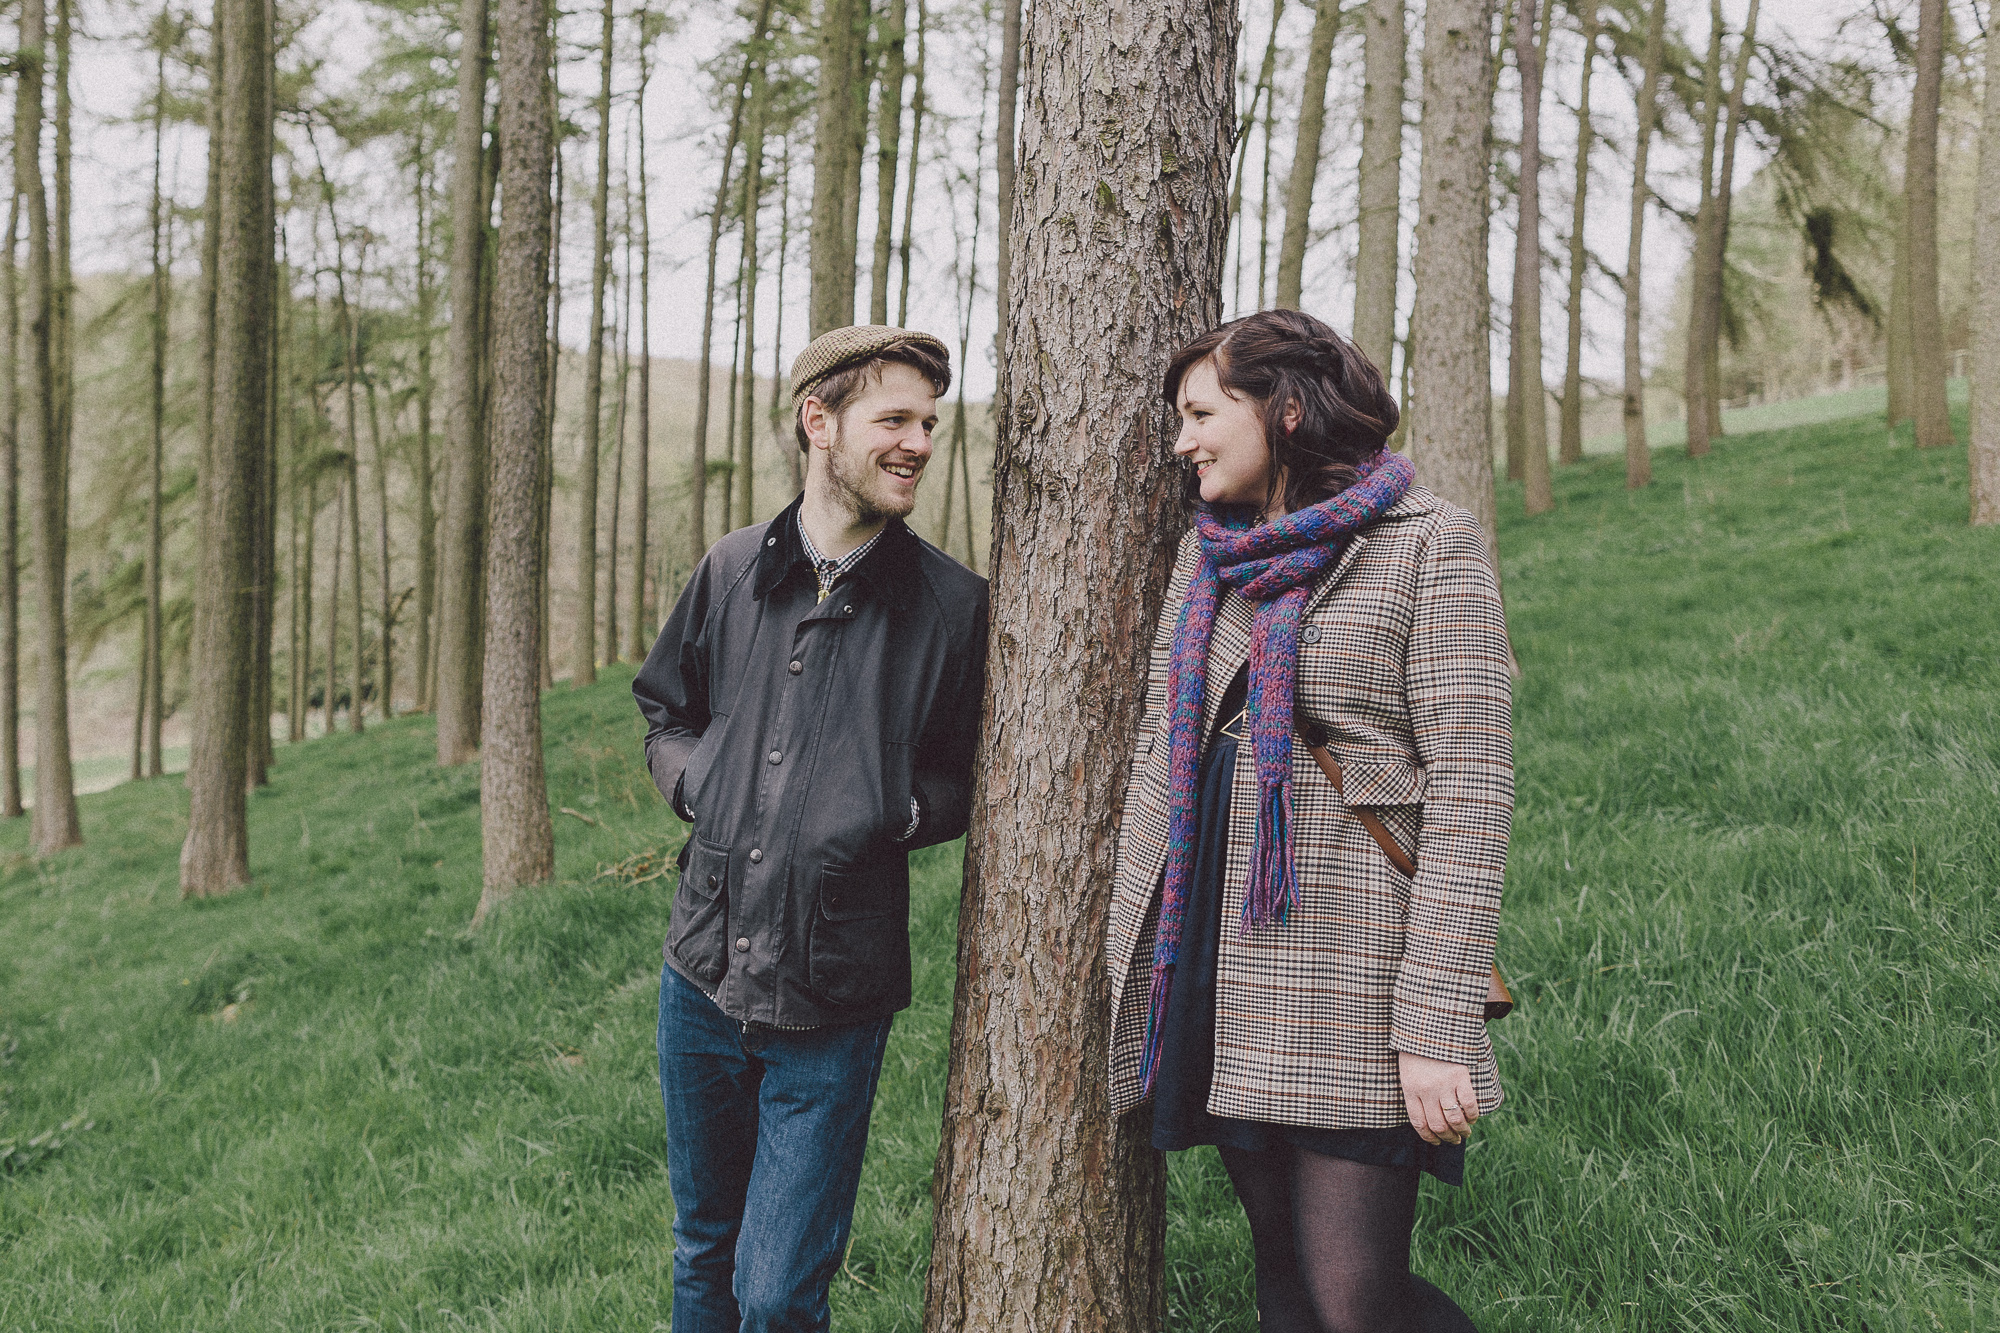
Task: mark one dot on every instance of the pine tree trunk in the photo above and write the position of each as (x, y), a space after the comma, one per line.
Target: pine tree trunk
(461, 564)
(1006, 139)
(1920, 178)
(745, 417)
(1695, 389)
(1638, 461)
(1305, 155)
(10, 518)
(215, 857)
(302, 590)
(1901, 390)
(888, 145)
(385, 657)
(544, 564)
(958, 418)
(583, 654)
(1710, 290)
(830, 304)
(340, 502)
(1375, 259)
(1049, 1214)
(265, 526)
(1450, 412)
(862, 78)
(1569, 448)
(426, 487)
(517, 841)
(642, 477)
(1525, 390)
(917, 110)
(618, 456)
(1983, 452)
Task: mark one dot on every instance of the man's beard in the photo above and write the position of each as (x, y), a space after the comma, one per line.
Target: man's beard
(848, 472)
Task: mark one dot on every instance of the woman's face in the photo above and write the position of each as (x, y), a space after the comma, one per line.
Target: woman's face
(1222, 439)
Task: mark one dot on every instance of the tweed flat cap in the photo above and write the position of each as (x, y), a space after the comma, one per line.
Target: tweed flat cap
(838, 349)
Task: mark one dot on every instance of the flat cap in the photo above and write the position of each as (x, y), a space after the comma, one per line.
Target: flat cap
(854, 345)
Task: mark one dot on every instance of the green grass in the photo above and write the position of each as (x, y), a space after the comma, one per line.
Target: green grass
(1751, 920)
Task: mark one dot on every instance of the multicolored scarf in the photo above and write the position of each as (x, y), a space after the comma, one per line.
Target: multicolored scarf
(1274, 565)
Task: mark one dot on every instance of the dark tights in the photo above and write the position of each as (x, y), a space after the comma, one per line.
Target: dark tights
(1333, 1245)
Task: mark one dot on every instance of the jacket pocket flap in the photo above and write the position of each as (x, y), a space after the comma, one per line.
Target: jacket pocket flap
(1367, 781)
(706, 870)
(853, 895)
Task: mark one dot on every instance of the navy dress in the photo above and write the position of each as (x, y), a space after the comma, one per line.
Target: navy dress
(1181, 1118)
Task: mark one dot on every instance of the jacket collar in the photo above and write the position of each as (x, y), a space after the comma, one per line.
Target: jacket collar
(891, 567)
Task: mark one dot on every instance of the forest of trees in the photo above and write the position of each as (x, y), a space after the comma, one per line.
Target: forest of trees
(322, 445)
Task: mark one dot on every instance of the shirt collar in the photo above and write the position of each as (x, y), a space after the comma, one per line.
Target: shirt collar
(890, 563)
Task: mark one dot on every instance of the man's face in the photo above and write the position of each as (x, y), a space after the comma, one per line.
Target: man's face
(869, 459)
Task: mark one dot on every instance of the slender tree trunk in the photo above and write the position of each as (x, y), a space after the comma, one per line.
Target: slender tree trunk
(781, 437)
(1264, 197)
(1570, 447)
(753, 195)
(1375, 259)
(1260, 94)
(583, 663)
(1902, 392)
(426, 488)
(642, 628)
(544, 563)
(518, 843)
(1710, 278)
(1983, 452)
(215, 857)
(1049, 1214)
(857, 152)
(350, 337)
(1450, 411)
(340, 501)
(1305, 155)
(1638, 461)
(831, 304)
(618, 457)
(462, 599)
(151, 688)
(1920, 178)
(698, 470)
(952, 469)
(1006, 140)
(1525, 390)
(63, 290)
(729, 523)
(10, 516)
(357, 683)
(917, 109)
(303, 591)
(1695, 390)
(264, 557)
(888, 141)
(385, 658)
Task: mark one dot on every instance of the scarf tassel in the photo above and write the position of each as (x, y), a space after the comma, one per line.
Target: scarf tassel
(1156, 1017)
(1274, 886)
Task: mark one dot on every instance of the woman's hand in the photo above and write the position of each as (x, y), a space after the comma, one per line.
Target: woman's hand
(1440, 1098)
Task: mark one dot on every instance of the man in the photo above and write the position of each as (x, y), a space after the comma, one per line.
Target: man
(812, 706)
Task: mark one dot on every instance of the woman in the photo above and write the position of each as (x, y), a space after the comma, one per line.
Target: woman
(1279, 988)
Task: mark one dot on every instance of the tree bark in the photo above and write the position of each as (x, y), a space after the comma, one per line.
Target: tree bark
(618, 453)
(583, 658)
(385, 656)
(462, 560)
(517, 841)
(1450, 408)
(1525, 390)
(1983, 452)
(1375, 259)
(1048, 1213)
(642, 628)
(264, 526)
(1724, 192)
(1569, 448)
(917, 109)
(831, 301)
(888, 145)
(1695, 390)
(1901, 390)
(215, 857)
(1638, 461)
(426, 489)
(10, 519)
(1305, 155)
(745, 448)
(1006, 138)
(1920, 179)
(340, 501)
(544, 563)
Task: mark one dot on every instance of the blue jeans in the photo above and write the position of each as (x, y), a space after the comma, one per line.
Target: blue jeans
(765, 1132)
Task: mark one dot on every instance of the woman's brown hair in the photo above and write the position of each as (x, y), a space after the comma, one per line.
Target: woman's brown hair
(1276, 358)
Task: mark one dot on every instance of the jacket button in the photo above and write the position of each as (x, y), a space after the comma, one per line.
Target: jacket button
(713, 882)
(742, 944)
(796, 668)
(770, 541)
(777, 757)
(1310, 634)
(847, 610)
(756, 855)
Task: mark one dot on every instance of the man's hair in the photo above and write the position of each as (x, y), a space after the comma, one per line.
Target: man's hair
(839, 390)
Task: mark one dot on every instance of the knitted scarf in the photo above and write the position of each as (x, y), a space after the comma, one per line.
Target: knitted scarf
(1274, 565)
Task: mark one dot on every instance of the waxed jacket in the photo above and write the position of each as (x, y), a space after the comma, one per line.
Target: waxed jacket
(793, 733)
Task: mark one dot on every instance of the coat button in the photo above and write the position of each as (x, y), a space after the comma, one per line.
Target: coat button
(796, 667)
(847, 610)
(714, 881)
(742, 944)
(770, 541)
(756, 855)
(777, 757)
(1310, 634)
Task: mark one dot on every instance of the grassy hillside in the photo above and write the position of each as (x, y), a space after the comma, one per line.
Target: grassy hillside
(1751, 920)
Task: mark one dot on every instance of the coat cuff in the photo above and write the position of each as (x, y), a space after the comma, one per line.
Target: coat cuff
(666, 761)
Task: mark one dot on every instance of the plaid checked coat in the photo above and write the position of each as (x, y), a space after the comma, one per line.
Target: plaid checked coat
(1403, 659)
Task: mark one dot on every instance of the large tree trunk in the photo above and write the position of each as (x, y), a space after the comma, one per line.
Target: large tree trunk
(1525, 392)
(1049, 1214)
(831, 303)
(1375, 259)
(1569, 447)
(215, 857)
(1983, 453)
(888, 145)
(1638, 461)
(10, 519)
(517, 841)
(461, 600)
(1695, 389)
(583, 660)
(1006, 138)
(1897, 335)
(642, 473)
(1724, 191)
(1305, 155)
(1450, 408)
(1920, 179)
